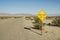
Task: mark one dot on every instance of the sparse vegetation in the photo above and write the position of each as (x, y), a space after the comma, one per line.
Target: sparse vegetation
(8, 17)
(56, 22)
(3, 17)
(37, 24)
(29, 18)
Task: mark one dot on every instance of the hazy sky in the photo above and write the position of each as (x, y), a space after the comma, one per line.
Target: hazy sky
(51, 7)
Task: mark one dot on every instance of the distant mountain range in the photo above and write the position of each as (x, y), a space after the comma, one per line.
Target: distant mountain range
(20, 14)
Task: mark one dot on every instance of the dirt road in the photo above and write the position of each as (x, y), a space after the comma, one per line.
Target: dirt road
(11, 29)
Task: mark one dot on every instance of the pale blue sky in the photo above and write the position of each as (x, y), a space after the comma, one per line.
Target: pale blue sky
(51, 7)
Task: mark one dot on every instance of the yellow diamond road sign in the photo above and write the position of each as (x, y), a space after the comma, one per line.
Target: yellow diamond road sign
(42, 15)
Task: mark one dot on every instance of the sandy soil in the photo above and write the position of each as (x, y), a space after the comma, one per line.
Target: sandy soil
(13, 29)
(53, 32)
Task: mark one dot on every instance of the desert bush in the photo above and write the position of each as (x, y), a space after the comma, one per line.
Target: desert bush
(27, 18)
(1, 18)
(15, 17)
(37, 24)
(56, 22)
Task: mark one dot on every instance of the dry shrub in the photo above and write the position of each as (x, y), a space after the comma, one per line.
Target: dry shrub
(37, 24)
(56, 21)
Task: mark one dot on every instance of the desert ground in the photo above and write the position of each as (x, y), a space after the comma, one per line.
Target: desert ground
(13, 29)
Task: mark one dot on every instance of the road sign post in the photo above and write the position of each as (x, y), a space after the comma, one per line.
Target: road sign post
(42, 16)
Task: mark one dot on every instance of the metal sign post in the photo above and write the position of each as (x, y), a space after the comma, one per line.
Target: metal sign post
(42, 16)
